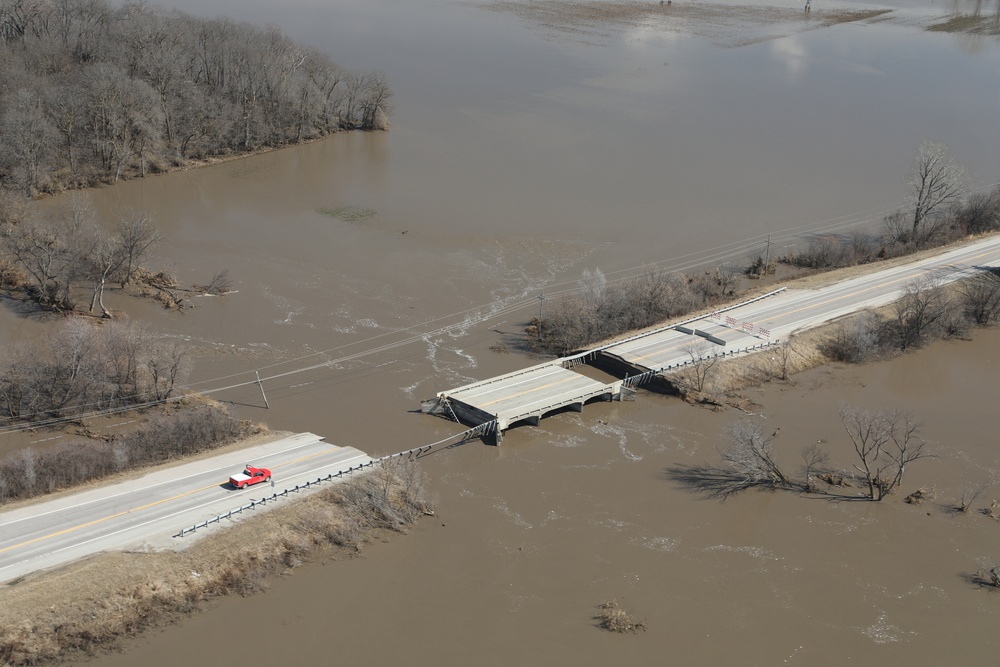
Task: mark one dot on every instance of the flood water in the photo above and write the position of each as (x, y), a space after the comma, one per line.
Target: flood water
(523, 152)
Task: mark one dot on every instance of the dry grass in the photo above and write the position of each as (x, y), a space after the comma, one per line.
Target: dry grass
(94, 603)
(977, 25)
(613, 618)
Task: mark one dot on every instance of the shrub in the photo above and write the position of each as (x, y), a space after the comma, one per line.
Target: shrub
(29, 473)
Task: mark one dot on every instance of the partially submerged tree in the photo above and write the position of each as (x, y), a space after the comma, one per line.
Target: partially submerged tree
(749, 455)
(969, 495)
(885, 442)
(137, 234)
(70, 249)
(51, 252)
(814, 457)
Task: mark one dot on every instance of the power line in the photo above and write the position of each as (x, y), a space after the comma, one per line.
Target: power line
(479, 314)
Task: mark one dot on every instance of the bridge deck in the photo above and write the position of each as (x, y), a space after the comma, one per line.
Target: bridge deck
(531, 393)
(527, 395)
(670, 348)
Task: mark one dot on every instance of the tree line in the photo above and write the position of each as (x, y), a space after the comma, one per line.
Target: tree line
(603, 309)
(942, 209)
(90, 93)
(51, 257)
(164, 437)
(83, 367)
(925, 312)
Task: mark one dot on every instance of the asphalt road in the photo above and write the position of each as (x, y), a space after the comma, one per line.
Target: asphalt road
(795, 310)
(145, 512)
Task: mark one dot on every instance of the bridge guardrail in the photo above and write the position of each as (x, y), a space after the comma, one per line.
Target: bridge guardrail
(641, 378)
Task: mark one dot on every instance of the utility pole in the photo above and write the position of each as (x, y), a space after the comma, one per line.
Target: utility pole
(541, 300)
(767, 253)
(260, 383)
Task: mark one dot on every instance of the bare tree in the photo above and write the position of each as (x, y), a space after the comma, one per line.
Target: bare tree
(51, 252)
(593, 285)
(749, 455)
(105, 258)
(166, 363)
(759, 263)
(970, 494)
(782, 356)
(907, 446)
(69, 371)
(29, 140)
(16, 17)
(857, 339)
(701, 361)
(221, 283)
(125, 115)
(325, 78)
(813, 458)
(981, 212)
(885, 443)
(897, 229)
(981, 297)
(375, 105)
(922, 305)
(137, 234)
(13, 207)
(936, 181)
(727, 276)
(66, 110)
(869, 433)
(350, 99)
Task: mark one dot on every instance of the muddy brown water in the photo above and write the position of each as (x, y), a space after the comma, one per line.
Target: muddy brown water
(532, 536)
(522, 154)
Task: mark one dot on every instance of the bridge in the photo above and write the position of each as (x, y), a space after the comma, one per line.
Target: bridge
(528, 395)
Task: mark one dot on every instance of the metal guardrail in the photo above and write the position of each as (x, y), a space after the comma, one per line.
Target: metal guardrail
(636, 380)
(253, 504)
(474, 432)
(674, 325)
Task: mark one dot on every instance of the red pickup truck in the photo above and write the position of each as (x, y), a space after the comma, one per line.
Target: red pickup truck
(249, 477)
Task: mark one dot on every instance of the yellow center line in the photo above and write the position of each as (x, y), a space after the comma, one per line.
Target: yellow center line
(528, 391)
(107, 518)
(675, 346)
(834, 299)
(143, 507)
(850, 294)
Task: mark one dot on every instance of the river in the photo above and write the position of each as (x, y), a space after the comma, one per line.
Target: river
(523, 151)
